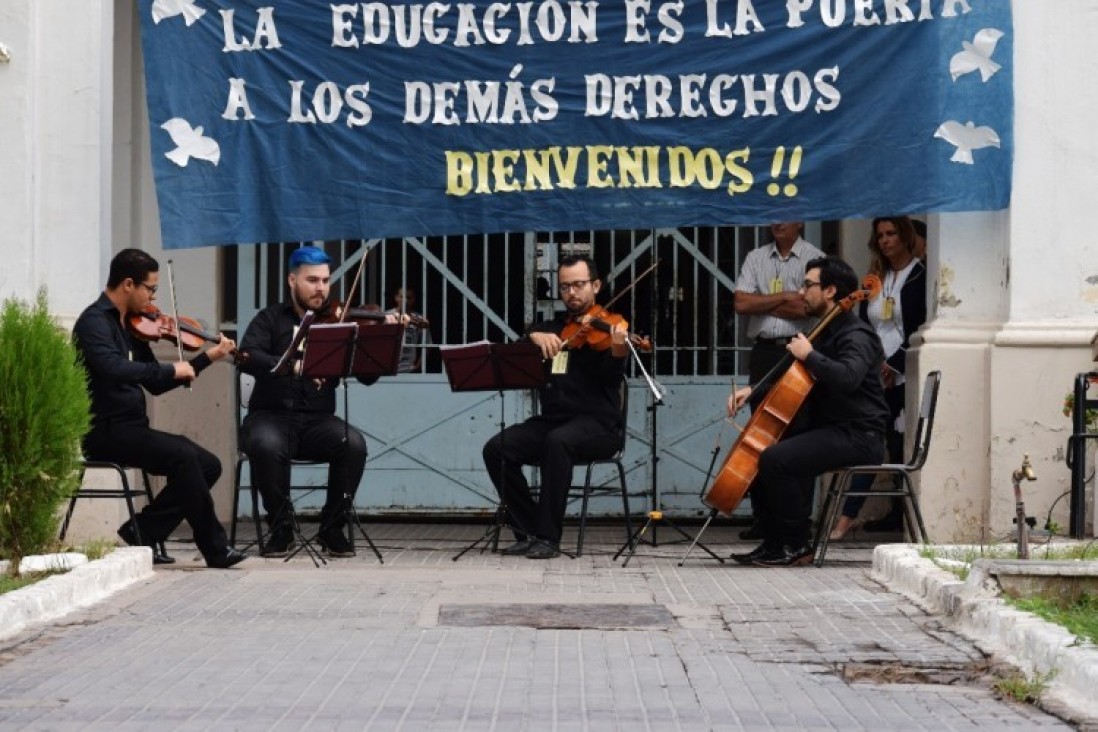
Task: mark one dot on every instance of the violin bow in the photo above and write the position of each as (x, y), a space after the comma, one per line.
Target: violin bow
(354, 283)
(175, 314)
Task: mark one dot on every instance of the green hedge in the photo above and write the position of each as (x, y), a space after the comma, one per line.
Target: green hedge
(44, 412)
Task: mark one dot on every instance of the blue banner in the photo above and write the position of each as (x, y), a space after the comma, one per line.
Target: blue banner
(303, 120)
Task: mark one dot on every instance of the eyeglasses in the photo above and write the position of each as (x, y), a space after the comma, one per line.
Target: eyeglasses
(566, 287)
(151, 288)
(809, 284)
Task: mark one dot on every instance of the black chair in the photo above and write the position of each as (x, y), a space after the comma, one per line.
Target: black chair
(244, 385)
(124, 490)
(587, 490)
(839, 487)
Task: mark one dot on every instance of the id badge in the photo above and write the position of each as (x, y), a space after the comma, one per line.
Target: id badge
(560, 363)
(886, 308)
(776, 286)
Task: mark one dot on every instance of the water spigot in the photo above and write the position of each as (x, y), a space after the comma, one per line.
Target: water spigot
(1025, 472)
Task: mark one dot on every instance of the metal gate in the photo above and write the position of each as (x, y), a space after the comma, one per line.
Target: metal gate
(425, 440)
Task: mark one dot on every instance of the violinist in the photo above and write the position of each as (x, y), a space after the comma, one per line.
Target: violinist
(121, 367)
(845, 418)
(293, 417)
(580, 417)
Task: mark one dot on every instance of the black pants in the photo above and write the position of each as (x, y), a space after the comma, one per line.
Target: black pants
(190, 470)
(555, 445)
(782, 491)
(272, 439)
(764, 356)
(894, 444)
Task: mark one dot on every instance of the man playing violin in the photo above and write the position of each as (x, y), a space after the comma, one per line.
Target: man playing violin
(120, 369)
(580, 418)
(293, 417)
(845, 417)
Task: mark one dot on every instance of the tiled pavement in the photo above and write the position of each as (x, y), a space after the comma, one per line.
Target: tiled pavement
(491, 643)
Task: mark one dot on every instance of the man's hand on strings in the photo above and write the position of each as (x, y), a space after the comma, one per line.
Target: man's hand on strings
(222, 349)
(799, 346)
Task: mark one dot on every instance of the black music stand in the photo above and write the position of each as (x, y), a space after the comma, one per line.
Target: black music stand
(376, 352)
(493, 367)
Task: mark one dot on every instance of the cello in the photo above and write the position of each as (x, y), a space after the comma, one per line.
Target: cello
(772, 415)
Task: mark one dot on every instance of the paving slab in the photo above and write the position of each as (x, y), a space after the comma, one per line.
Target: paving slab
(356, 644)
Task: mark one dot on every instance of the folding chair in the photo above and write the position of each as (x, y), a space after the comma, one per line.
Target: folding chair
(124, 490)
(839, 488)
(587, 490)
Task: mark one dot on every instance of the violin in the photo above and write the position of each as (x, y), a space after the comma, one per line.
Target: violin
(772, 415)
(333, 312)
(593, 330)
(151, 325)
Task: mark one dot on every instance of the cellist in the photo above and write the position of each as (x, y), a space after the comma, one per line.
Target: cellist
(580, 417)
(841, 423)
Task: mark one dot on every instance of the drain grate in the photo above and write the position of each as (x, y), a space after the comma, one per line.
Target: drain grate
(557, 616)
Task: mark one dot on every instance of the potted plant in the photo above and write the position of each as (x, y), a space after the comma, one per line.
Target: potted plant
(44, 413)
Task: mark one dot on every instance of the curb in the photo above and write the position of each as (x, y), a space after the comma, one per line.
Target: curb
(85, 585)
(975, 610)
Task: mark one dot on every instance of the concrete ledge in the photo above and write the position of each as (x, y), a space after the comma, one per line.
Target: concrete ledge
(85, 585)
(974, 609)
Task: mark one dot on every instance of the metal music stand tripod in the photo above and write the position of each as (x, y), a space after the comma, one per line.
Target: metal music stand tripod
(493, 367)
(329, 349)
(656, 515)
(377, 350)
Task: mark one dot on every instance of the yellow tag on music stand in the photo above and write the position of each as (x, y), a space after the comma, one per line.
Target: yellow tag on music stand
(886, 308)
(776, 286)
(560, 363)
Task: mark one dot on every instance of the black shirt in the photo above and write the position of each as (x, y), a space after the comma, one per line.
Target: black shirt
(846, 361)
(266, 339)
(591, 385)
(120, 367)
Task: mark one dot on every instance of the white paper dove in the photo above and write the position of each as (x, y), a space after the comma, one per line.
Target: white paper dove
(977, 55)
(190, 143)
(966, 138)
(162, 9)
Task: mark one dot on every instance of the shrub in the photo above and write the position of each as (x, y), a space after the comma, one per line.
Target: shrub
(44, 412)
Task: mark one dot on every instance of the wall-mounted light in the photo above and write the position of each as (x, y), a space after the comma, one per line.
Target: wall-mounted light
(5, 54)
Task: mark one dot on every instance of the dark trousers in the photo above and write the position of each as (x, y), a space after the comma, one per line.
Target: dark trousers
(764, 356)
(190, 470)
(555, 445)
(272, 439)
(782, 491)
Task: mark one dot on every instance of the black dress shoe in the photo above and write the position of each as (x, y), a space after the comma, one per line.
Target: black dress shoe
(759, 551)
(752, 533)
(542, 549)
(226, 560)
(786, 556)
(518, 549)
(128, 533)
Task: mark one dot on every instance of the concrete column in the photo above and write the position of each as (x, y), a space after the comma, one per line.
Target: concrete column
(1016, 297)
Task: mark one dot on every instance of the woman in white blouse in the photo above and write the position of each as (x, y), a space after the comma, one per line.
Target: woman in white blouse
(895, 313)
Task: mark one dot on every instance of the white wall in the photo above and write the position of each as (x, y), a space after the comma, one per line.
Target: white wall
(55, 147)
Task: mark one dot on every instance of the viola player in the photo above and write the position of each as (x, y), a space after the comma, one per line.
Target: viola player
(121, 368)
(291, 416)
(845, 417)
(580, 418)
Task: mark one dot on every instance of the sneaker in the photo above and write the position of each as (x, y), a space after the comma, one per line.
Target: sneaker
(279, 542)
(543, 549)
(335, 542)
